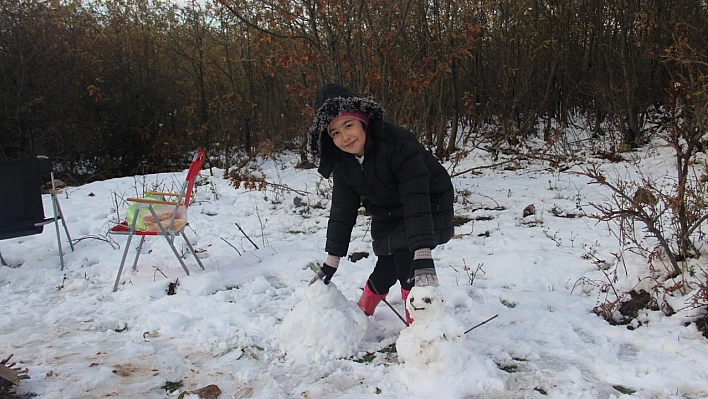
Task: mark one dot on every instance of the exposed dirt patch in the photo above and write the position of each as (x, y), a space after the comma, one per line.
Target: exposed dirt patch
(128, 369)
(610, 156)
(639, 300)
(702, 325)
(124, 370)
(459, 220)
(630, 309)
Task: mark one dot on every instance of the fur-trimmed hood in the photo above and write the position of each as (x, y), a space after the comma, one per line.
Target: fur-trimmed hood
(333, 99)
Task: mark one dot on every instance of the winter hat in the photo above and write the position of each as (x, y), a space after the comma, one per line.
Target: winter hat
(333, 100)
(360, 116)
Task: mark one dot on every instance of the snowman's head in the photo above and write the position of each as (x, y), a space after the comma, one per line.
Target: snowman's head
(425, 304)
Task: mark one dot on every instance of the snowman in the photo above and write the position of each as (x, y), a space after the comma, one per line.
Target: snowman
(434, 336)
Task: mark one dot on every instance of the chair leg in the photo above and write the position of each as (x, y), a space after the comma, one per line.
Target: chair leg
(59, 215)
(2, 260)
(137, 255)
(174, 250)
(122, 262)
(189, 244)
(61, 252)
(63, 222)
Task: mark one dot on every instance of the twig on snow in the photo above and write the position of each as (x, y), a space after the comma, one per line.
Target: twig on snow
(244, 233)
(484, 322)
(239, 252)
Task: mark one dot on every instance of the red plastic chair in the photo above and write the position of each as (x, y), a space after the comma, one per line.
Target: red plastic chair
(161, 226)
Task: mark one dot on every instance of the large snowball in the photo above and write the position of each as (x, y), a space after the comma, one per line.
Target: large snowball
(324, 325)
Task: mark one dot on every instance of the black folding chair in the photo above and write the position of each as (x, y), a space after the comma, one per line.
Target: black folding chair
(21, 207)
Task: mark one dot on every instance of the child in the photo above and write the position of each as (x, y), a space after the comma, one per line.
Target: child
(407, 192)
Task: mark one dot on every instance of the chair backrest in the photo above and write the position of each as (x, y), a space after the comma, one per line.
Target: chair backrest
(21, 204)
(194, 168)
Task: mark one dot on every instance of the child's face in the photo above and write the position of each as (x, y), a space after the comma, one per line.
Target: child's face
(348, 135)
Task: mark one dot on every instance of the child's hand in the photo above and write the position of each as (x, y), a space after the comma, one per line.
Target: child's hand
(325, 274)
(424, 273)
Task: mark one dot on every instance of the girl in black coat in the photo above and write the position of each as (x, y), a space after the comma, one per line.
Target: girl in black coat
(407, 192)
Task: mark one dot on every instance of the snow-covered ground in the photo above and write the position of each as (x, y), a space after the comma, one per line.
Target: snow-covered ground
(251, 325)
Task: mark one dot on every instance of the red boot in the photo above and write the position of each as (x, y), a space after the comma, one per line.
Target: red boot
(404, 296)
(369, 300)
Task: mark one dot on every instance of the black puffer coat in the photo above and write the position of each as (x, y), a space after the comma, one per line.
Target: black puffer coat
(407, 192)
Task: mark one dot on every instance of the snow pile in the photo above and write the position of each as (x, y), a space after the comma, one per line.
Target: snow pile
(324, 325)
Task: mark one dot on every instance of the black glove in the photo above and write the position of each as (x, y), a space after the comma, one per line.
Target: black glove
(424, 273)
(326, 272)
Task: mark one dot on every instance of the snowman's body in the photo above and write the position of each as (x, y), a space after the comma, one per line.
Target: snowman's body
(434, 336)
